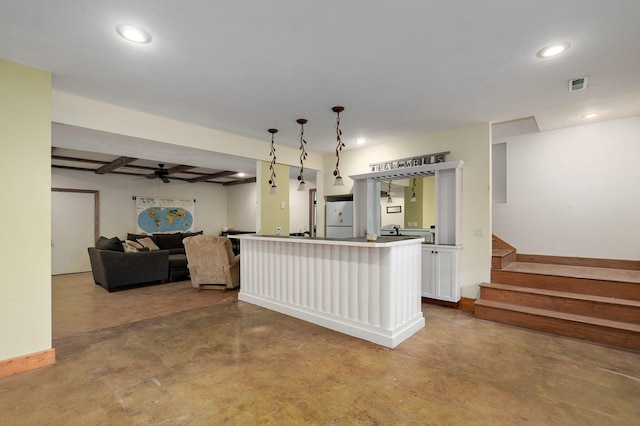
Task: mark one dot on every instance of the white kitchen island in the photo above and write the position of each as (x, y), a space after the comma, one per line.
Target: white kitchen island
(369, 290)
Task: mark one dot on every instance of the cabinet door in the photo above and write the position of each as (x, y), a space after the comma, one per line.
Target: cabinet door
(446, 279)
(428, 272)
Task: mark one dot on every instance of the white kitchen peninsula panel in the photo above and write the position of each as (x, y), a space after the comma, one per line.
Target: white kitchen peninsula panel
(369, 290)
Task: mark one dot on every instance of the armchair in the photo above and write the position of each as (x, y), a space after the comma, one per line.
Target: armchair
(211, 261)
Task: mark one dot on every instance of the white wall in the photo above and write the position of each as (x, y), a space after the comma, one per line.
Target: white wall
(117, 209)
(574, 192)
(242, 207)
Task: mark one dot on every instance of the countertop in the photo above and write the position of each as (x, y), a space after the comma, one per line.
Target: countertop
(356, 241)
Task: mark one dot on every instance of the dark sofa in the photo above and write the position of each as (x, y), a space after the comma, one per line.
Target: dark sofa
(114, 269)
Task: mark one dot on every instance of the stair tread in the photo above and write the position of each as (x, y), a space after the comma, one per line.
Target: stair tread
(564, 294)
(501, 252)
(604, 274)
(559, 315)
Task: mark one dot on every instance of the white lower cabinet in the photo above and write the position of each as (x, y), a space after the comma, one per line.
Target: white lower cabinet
(440, 273)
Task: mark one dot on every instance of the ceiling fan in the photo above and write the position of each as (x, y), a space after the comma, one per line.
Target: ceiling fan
(161, 173)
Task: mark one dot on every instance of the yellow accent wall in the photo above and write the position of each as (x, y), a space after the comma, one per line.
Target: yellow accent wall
(272, 214)
(25, 255)
(428, 202)
(423, 210)
(413, 210)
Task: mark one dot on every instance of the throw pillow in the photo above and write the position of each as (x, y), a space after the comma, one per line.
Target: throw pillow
(136, 237)
(134, 244)
(113, 244)
(128, 248)
(148, 243)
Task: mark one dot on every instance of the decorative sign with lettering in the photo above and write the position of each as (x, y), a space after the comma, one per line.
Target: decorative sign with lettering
(409, 162)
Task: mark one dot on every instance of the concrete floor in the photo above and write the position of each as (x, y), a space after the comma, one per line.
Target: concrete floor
(235, 363)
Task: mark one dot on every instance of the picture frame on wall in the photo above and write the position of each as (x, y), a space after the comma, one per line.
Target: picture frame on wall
(394, 209)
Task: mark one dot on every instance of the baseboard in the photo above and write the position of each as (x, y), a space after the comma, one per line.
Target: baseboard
(467, 303)
(440, 302)
(24, 363)
(463, 303)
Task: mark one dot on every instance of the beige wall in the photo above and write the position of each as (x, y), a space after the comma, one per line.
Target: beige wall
(471, 144)
(25, 256)
(87, 113)
(274, 208)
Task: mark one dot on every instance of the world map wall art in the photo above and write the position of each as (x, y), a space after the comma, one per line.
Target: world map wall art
(164, 214)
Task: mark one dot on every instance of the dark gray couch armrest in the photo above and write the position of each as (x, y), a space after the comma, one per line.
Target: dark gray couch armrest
(112, 269)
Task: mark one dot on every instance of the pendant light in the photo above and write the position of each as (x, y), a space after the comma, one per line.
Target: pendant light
(272, 154)
(413, 192)
(303, 154)
(339, 146)
(389, 200)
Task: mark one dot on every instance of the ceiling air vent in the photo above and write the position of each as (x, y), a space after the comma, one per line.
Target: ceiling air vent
(578, 84)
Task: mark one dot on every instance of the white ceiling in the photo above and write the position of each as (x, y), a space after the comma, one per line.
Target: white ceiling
(401, 68)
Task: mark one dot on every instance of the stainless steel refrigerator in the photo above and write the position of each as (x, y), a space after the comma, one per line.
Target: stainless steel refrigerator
(339, 219)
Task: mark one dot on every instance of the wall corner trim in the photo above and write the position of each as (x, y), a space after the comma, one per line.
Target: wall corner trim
(28, 362)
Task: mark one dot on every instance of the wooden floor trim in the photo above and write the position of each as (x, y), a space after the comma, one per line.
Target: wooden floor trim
(24, 363)
(467, 303)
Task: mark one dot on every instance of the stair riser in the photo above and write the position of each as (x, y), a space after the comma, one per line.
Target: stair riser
(621, 290)
(594, 333)
(609, 311)
(499, 262)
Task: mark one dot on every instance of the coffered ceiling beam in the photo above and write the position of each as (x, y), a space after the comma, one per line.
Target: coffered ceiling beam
(212, 176)
(239, 182)
(178, 169)
(115, 164)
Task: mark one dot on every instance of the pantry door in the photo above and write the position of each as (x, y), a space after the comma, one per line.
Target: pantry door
(74, 227)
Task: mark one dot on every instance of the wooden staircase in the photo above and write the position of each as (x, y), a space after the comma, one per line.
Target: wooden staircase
(591, 299)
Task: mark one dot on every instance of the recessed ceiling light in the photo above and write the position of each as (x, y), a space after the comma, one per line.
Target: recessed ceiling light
(361, 140)
(133, 33)
(553, 50)
(589, 115)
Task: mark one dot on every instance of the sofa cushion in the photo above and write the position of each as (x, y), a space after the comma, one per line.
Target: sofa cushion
(169, 241)
(113, 244)
(148, 243)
